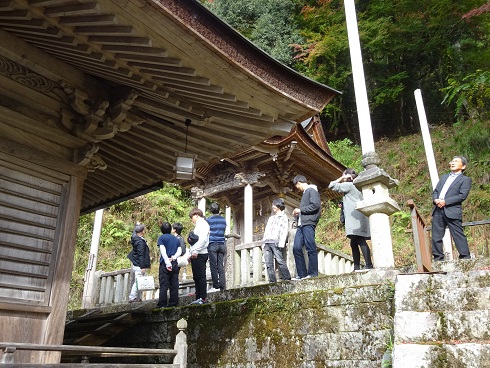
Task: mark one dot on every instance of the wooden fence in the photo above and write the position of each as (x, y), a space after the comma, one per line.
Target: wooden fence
(84, 353)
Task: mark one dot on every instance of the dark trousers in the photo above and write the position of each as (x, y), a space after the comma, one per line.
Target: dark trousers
(356, 242)
(169, 280)
(271, 252)
(439, 223)
(216, 253)
(199, 275)
(305, 235)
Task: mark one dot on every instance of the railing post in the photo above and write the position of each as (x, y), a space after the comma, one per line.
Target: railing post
(126, 287)
(245, 266)
(257, 264)
(109, 291)
(290, 257)
(237, 264)
(8, 356)
(118, 295)
(103, 284)
(342, 265)
(181, 344)
(321, 261)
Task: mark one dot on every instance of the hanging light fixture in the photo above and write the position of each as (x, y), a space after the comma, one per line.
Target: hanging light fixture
(184, 165)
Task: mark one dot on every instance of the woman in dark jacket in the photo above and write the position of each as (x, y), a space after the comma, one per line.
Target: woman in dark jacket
(140, 259)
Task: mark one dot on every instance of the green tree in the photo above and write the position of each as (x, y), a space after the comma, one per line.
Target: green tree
(267, 23)
(406, 44)
(171, 203)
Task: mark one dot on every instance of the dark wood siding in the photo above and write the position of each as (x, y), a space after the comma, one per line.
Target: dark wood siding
(29, 206)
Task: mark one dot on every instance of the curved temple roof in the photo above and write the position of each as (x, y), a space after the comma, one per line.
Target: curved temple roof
(108, 84)
(271, 166)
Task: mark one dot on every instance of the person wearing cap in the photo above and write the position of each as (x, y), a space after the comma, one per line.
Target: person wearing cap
(199, 254)
(168, 273)
(307, 215)
(140, 259)
(275, 235)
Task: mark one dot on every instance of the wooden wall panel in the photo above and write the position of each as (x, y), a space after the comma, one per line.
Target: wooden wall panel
(25, 242)
(40, 197)
(29, 208)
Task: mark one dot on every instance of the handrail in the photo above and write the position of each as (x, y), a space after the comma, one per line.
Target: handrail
(423, 253)
(423, 248)
(94, 351)
(179, 352)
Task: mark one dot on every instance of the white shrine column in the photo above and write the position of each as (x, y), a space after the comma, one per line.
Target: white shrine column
(88, 287)
(201, 204)
(228, 219)
(373, 181)
(431, 161)
(248, 210)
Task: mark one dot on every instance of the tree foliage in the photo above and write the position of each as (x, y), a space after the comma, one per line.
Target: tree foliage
(171, 203)
(406, 45)
(268, 24)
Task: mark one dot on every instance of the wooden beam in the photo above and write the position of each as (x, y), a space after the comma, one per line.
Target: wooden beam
(21, 52)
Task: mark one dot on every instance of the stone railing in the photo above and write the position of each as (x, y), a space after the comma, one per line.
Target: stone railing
(248, 267)
(114, 287)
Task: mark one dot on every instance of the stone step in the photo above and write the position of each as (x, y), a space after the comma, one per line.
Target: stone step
(442, 320)
(444, 355)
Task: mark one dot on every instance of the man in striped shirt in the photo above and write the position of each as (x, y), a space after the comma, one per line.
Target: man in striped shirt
(216, 248)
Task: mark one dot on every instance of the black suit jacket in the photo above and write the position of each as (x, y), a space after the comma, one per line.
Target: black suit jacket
(455, 195)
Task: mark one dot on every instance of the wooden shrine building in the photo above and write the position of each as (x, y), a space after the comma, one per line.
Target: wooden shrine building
(94, 96)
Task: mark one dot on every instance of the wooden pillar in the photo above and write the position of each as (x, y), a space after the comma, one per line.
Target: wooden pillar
(66, 244)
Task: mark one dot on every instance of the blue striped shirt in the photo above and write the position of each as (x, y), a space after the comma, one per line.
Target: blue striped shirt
(217, 227)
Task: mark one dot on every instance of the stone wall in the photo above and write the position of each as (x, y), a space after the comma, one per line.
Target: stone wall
(332, 321)
(351, 320)
(442, 320)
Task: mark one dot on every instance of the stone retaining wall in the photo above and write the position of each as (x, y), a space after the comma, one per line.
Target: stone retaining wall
(442, 320)
(351, 320)
(341, 321)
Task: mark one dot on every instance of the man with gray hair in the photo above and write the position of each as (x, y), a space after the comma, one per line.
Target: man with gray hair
(449, 193)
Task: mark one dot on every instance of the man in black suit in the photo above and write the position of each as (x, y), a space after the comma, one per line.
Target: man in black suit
(451, 190)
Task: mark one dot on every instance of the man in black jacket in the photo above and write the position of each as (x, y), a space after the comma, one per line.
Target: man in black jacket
(140, 259)
(451, 190)
(308, 215)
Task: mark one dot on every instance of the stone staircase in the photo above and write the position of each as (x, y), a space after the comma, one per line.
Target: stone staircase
(442, 320)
